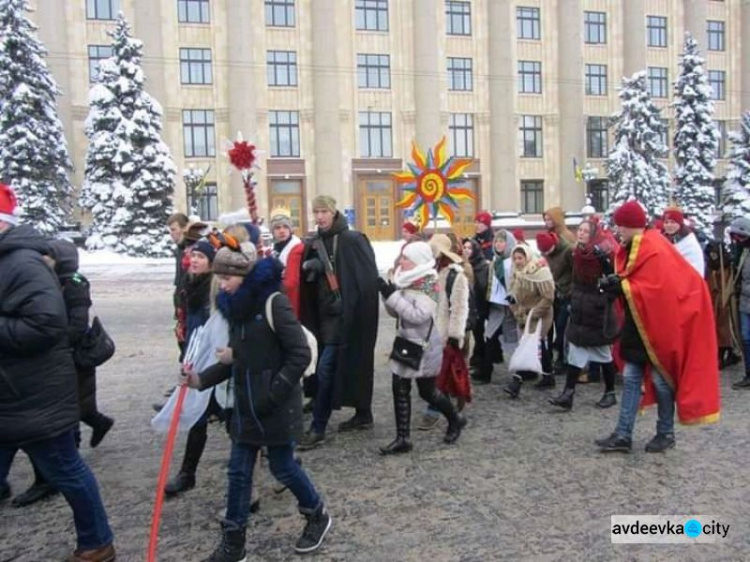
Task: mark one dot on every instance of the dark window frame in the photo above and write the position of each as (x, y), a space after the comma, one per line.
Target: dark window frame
(206, 203)
(195, 68)
(200, 122)
(375, 66)
(96, 59)
(597, 136)
(529, 23)
(187, 10)
(102, 10)
(280, 13)
(532, 197)
(717, 79)
(461, 131)
(657, 34)
(660, 79)
(595, 27)
(716, 31)
(370, 129)
(371, 15)
(529, 74)
(281, 64)
(596, 75)
(460, 74)
(283, 125)
(457, 17)
(531, 133)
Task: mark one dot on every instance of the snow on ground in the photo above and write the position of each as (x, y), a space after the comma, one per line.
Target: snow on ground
(105, 257)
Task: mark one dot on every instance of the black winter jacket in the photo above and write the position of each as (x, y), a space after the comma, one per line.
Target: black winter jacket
(38, 398)
(268, 365)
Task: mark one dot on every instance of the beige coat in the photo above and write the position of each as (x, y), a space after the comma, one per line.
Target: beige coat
(451, 317)
(533, 288)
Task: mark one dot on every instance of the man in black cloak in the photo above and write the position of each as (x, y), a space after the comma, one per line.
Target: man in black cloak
(339, 304)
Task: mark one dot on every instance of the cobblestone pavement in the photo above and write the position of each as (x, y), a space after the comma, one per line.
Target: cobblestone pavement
(523, 483)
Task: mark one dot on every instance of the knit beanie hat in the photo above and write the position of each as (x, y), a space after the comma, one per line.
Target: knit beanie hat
(410, 227)
(419, 253)
(485, 218)
(204, 247)
(235, 262)
(674, 214)
(281, 217)
(8, 204)
(546, 241)
(324, 202)
(519, 235)
(630, 215)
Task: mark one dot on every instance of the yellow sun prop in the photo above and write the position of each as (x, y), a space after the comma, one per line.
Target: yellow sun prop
(429, 184)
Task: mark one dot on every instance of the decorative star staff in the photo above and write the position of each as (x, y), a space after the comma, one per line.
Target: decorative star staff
(430, 184)
(242, 156)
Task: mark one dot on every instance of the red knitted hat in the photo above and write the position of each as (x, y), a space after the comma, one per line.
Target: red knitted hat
(8, 203)
(545, 241)
(519, 235)
(630, 215)
(674, 214)
(410, 227)
(485, 218)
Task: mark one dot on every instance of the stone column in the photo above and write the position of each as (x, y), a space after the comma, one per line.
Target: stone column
(328, 177)
(241, 83)
(745, 55)
(428, 67)
(147, 26)
(634, 39)
(695, 21)
(504, 191)
(570, 92)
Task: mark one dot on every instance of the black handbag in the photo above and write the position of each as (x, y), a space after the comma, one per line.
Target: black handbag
(95, 348)
(409, 353)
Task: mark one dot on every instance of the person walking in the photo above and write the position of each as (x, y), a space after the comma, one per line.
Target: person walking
(481, 270)
(739, 232)
(484, 235)
(684, 239)
(288, 249)
(266, 358)
(412, 298)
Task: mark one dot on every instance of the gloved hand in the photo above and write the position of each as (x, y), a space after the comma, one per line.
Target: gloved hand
(386, 288)
(313, 265)
(453, 342)
(610, 284)
(511, 299)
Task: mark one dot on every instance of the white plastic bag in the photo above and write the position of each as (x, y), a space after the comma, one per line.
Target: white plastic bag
(201, 355)
(526, 355)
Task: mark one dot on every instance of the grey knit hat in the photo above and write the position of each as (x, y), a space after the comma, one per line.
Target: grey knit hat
(235, 262)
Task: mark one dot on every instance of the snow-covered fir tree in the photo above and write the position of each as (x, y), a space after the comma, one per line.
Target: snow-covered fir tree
(633, 165)
(33, 153)
(129, 181)
(696, 140)
(736, 201)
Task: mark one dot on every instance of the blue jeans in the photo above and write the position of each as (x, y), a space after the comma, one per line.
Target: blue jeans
(631, 398)
(283, 467)
(745, 334)
(325, 371)
(61, 465)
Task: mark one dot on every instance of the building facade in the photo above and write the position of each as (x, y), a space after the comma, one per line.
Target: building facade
(334, 91)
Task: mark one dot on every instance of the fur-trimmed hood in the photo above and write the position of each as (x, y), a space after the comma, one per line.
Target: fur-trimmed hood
(250, 299)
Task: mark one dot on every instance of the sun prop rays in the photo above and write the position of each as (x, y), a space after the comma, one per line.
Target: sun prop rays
(430, 185)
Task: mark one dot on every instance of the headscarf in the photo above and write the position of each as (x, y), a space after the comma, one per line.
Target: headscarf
(498, 263)
(534, 274)
(589, 258)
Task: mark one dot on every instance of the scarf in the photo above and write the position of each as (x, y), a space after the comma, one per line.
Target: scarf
(283, 249)
(534, 275)
(198, 291)
(427, 285)
(405, 279)
(588, 264)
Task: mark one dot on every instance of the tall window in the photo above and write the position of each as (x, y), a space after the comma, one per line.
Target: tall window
(596, 79)
(658, 82)
(599, 190)
(532, 197)
(97, 53)
(595, 27)
(195, 66)
(717, 79)
(205, 203)
(284, 128)
(375, 134)
(530, 136)
(656, 31)
(199, 133)
(458, 17)
(716, 35)
(102, 9)
(280, 13)
(193, 11)
(371, 15)
(597, 141)
(528, 23)
(460, 74)
(665, 136)
(721, 126)
(374, 71)
(529, 77)
(461, 128)
(281, 68)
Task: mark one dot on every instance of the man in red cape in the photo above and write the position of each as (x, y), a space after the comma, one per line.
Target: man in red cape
(668, 340)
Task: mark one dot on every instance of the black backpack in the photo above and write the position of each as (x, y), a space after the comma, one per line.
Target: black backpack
(471, 319)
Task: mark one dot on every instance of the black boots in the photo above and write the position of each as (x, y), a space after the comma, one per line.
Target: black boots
(514, 386)
(456, 423)
(607, 400)
(316, 529)
(402, 411)
(232, 545)
(564, 400)
(185, 479)
(39, 490)
(362, 419)
(660, 443)
(101, 425)
(547, 381)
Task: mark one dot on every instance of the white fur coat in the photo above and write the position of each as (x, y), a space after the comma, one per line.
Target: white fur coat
(451, 318)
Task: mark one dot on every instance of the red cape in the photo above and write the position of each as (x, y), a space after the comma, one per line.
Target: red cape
(671, 307)
(292, 273)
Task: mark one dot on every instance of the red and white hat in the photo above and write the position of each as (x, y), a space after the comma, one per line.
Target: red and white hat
(8, 205)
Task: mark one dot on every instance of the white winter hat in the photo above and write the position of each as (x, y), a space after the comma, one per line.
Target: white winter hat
(419, 253)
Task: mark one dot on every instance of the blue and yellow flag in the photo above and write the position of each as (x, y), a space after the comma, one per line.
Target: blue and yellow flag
(577, 172)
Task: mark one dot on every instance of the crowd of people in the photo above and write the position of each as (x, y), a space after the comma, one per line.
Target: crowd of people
(595, 300)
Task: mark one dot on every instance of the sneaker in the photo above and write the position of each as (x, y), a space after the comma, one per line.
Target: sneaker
(744, 383)
(428, 422)
(318, 525)
(311, 440)
(103, 426)
(180, 483)
(607, 401)
(232, 545)
(615, 443)
(36, 493)
(660, 443)
(357, 422)
(103, 554)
